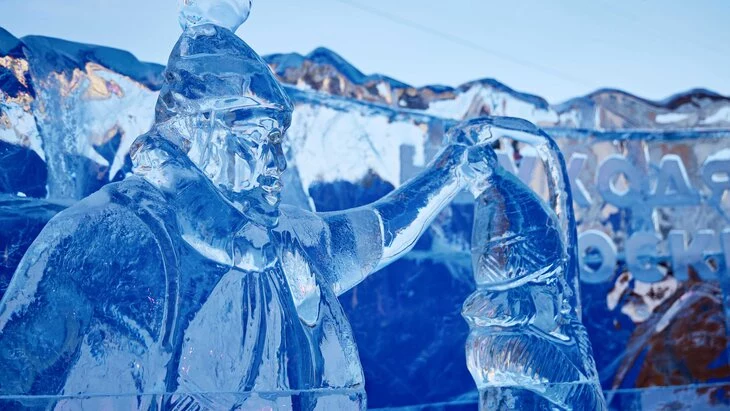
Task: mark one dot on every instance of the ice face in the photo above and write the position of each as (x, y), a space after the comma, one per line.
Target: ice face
(239, 151)
(222, 105)
(224, 13)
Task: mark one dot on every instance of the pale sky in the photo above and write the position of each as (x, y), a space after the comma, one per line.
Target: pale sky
(553, 48)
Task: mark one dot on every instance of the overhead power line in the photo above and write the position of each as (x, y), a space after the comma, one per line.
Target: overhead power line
(637, 20)
(467, 43)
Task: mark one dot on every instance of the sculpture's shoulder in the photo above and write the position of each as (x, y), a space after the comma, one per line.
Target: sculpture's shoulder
(116, 214)
(100, 266)
(120, 233)
(308, 227)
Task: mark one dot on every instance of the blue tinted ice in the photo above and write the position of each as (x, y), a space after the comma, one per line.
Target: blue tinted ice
(224, 13)
(527, 348)
(187, 285)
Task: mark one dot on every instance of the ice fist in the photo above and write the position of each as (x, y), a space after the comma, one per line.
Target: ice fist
(479, 158)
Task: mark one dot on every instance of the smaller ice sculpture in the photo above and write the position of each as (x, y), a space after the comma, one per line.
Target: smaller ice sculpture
(527, 348)
(187, 286)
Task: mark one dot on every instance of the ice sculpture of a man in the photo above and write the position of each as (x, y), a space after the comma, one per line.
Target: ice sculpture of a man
(187, 282)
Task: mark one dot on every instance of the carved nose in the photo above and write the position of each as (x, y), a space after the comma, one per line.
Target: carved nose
(276, 160)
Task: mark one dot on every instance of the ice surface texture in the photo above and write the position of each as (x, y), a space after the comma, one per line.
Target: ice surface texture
(186, 285)
(224, 13)
(410, 343)
(527, 348)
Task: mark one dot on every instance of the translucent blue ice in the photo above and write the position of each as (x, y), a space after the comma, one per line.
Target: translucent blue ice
(187, 285)
(527, 348)
(224, 13)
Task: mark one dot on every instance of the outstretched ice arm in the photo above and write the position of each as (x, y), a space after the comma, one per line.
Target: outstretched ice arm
(406, 213)
(363, 240)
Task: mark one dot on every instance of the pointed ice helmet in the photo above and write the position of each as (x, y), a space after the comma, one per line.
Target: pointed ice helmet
(211, 69)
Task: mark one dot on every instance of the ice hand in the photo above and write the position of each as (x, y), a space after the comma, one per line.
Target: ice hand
(472, 132)
(479, 159)
(477, 166)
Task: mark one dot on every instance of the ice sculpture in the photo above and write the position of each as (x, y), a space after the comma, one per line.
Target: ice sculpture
(187, 285)
(527, 348)
(229, 14)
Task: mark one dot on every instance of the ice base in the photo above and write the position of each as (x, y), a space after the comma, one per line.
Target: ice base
(320, 399)
(581, 396)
